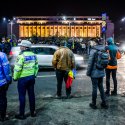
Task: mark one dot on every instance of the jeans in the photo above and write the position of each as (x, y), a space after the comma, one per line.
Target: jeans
(62, 75)
(108, 72)
(26, 84)
(3, 100)
(97, 83)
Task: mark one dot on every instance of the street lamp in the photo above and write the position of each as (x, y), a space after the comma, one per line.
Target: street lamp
(11, 28)
(123, 19)
(4, 19)
(14, 18)
(64, 18)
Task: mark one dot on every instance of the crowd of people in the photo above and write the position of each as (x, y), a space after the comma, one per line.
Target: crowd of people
(77, 45)
(6, 44)
(26, 69)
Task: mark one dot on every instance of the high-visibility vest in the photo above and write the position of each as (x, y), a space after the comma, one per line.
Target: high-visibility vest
(26, 65)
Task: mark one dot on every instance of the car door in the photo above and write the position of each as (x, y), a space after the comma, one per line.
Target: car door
(48, 55)
(44, 55)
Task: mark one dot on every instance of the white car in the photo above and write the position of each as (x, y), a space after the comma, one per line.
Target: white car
(44, 54)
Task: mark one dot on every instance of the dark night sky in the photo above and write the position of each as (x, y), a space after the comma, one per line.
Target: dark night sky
(115, 9)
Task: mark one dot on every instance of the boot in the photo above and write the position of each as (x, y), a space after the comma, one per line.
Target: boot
(21, 117)
(4, 118)
(93, 106)
(33, 114)
(107, 93)
(114, 93)
(104, 105)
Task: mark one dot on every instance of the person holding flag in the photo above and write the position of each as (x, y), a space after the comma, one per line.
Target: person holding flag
(63, 61)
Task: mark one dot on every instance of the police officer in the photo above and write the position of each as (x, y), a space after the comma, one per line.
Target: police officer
(5, 80)
(25, 71)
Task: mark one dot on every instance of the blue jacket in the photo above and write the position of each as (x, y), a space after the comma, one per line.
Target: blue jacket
(112, 48)
(92, 71)
(5, 72)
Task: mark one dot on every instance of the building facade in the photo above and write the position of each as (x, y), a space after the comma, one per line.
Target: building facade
(60, 26)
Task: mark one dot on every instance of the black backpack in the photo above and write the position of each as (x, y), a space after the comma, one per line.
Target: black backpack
(102, 59)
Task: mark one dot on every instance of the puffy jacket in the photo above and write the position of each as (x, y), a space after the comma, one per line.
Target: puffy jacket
(5, 72)
(92, 71)
(26, 65)
(112, 49)
(63, 59)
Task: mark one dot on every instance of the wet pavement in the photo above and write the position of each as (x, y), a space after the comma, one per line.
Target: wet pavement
(74, 111)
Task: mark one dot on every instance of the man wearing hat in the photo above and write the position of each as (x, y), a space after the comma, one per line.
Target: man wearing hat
(25, 71)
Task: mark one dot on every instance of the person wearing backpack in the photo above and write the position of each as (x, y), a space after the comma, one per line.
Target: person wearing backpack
(112, 66)
(96, 74)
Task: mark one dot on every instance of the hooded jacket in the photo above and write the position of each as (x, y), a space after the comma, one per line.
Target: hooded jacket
(92, 71)
(5, 72)
(112, 49)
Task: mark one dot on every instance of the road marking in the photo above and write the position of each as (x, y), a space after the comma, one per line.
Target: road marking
(44, 76)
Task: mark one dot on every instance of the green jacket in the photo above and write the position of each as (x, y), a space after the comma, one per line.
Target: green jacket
(26, 65)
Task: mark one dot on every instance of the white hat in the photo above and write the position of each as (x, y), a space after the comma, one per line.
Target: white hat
(25, 43)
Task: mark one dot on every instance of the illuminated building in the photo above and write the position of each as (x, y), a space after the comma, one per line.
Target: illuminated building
(69, 26)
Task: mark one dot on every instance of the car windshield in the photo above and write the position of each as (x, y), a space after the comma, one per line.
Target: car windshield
(43, 50)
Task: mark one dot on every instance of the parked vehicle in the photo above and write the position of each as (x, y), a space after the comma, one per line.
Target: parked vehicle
(44, 54)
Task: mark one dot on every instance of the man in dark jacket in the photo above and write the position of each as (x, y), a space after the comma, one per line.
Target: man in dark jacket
(112, 66)
(96, 75)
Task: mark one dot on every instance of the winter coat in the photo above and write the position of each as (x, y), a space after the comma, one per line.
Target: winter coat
(92, 71)
(112, 49)
(26, 65)
(5, 72)
(63, 59)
